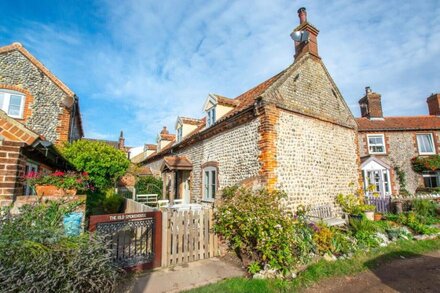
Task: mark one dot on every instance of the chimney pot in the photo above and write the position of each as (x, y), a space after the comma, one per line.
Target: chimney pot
(367, 90)
(302, 14)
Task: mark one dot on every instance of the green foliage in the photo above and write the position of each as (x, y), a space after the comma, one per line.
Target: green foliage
(323, 239)
(102, 162)
(426, 163)
(401, 176)
(149, 185)
(321, 270)
(260, 232)
(424, 207)
(36, 256)
(66, 180)
(353, 204)
(103, 202)
(254, 267)
(365, 232)
(418, 223)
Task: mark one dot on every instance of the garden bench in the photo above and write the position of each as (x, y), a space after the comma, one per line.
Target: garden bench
(148, 199)
(324, 213)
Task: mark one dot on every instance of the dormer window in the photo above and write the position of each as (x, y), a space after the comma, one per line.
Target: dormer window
(179, 134)
(211, 116)
(12, 103)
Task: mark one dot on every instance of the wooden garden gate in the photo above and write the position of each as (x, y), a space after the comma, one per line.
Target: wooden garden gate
(134, 238)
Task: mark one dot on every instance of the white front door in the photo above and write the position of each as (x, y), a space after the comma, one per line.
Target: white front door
(376, 178)
(186, 186)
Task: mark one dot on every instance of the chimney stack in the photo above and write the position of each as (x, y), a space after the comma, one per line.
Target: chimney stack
(311, 45)
(371, 105)
(434, 104)
(121, 143)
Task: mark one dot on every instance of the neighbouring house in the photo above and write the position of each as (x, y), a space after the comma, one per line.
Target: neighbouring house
(292, 132)
(387, 145)
(38, 111)
(117, 144)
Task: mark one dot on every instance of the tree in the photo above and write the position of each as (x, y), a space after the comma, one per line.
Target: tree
(102, 162)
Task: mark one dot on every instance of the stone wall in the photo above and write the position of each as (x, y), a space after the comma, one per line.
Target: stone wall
(316, 160)
(236, 151)
(46, 107)
(401, 147)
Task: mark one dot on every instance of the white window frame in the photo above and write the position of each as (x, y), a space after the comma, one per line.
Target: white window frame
(372, 145)
(7, 99)
(432, 141)
(431, 174)
(30, 167)
(211, 113)
(179, 133)
(209, 182)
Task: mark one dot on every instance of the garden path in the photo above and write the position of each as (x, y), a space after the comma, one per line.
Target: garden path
(187, 276)
(420, 273)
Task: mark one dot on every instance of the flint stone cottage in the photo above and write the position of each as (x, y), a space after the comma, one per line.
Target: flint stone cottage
(292, 132)
(37, 112)
(388, 144)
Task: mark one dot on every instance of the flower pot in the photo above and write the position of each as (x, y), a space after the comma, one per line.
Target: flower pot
(52, 190)
(369, 215)
(377, 217)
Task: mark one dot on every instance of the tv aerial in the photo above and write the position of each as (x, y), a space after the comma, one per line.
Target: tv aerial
(300, 36)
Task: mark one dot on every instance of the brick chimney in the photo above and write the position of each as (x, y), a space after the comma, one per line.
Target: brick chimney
(371, 104)
(310, 46)
(434, 104)
(121, 143)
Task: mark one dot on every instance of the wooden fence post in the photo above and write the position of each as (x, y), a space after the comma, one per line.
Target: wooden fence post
(165, 245)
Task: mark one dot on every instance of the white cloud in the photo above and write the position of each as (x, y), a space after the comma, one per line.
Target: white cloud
(154, 60)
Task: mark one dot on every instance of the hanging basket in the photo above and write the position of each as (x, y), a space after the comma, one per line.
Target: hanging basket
(52, 190)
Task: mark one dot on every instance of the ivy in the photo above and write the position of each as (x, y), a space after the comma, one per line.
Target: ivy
(430, 163)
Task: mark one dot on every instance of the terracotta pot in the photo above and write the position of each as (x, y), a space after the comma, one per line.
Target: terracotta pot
(53, 190)
(377, 217)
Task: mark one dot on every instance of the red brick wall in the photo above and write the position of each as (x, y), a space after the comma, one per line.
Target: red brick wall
(63, 126)
(12, 168)
(434, 104)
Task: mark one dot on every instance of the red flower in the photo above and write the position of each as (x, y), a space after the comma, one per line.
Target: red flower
(58, 174)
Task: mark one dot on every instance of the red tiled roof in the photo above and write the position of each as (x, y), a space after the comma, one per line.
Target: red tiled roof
(226, 101)
(166, 136)
(192, 121)
(152, 147)
(243, 101)
(399, 123)
(177, 162)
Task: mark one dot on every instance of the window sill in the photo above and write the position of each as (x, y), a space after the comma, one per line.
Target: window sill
(371, 153)
(426, 154)
(208, 200)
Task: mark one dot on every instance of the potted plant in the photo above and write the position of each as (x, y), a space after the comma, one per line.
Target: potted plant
(377, 216)
(354, 206)
(57, 183)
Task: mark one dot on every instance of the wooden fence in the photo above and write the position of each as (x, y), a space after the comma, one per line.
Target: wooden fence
(188, 236)
(132, 206)
(382, 203)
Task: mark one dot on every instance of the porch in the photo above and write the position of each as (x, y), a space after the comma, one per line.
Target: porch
(176, 177)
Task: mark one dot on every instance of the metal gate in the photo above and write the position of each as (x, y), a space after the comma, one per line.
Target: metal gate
(135, 239)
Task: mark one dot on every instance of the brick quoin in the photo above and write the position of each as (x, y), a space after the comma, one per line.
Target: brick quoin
(267, 145)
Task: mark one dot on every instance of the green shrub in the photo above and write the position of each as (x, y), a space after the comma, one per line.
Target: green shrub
(103, 163)
(365, 232)
(103, 202)
(149, 185)
(424, 207)
(260, 232)
(36, 256)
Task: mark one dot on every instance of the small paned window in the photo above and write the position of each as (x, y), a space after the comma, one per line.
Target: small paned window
(12, 103)
(431, 179)
(211, 116)
(425, 143)
(209, 183)
(179, 134)
(376, 144)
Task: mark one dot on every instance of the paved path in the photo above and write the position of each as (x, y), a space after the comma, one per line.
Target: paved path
(418, 274)
(187, 276)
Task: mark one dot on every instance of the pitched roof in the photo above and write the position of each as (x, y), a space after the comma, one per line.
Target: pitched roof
(426, 122)
(243, 102)
(226, 101)
(151, 147)
(167, 136)
(188, 120)
(177, 163)
(13, 130)
(19, 47)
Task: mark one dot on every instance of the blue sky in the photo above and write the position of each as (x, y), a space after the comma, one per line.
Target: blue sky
(136, 64)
